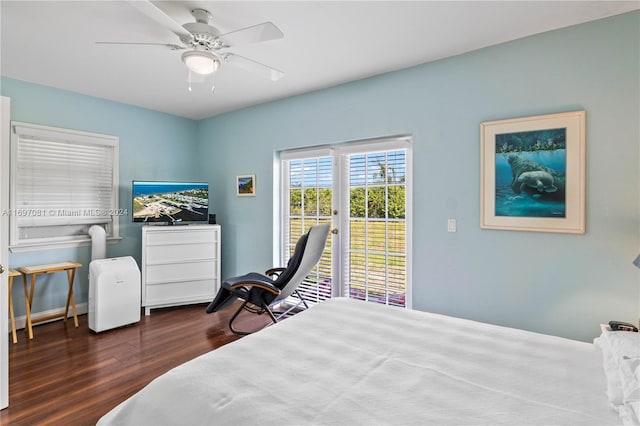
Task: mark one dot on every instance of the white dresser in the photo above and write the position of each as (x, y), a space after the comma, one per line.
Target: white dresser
(180, 265)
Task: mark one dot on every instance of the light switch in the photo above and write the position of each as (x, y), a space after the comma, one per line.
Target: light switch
(451, 225)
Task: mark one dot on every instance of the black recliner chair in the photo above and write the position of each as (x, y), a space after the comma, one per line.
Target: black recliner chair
(261, 291)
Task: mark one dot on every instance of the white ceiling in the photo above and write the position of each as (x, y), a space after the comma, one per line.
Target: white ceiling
(326, 43)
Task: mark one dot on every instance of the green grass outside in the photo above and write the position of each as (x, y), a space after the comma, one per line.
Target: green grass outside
(381, 269)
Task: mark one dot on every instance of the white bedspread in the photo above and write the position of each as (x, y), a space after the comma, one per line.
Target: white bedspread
(345, 362)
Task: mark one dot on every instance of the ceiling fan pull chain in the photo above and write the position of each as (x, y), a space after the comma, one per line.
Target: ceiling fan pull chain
(189, 80)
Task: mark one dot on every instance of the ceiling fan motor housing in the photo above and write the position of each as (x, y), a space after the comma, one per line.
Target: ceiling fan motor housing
(204, 35)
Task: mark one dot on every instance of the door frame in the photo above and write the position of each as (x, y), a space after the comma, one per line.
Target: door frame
(340, 153)
(5, 108)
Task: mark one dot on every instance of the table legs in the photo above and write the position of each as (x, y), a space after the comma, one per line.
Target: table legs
(71, 273)
(28, 297)
(14, 336)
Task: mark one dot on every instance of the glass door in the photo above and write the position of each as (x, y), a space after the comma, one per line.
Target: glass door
(376, 222)
(363, 190)
(308, 201)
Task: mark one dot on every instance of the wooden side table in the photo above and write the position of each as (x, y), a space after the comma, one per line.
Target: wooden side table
(49, 268)
(12, 273)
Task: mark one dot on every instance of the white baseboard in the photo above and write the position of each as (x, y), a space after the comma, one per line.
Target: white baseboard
(21, 321)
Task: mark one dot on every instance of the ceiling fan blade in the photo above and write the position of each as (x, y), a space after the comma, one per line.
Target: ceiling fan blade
(257, 33)
(169, 45)
(253, 66)
(153, 12)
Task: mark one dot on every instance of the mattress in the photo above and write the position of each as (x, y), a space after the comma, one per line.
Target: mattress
(348, 362)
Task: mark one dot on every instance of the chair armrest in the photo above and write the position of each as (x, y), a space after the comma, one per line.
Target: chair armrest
(238, 284)
(274, 271)
(261, 285)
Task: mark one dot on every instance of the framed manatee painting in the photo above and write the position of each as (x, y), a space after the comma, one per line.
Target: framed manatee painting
(533, 173)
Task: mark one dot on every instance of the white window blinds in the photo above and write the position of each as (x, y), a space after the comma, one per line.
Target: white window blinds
(63, 181)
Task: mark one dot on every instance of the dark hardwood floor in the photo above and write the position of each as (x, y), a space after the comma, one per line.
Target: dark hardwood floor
(69, 376)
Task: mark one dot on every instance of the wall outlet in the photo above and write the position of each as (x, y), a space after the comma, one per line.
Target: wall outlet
(451, 225)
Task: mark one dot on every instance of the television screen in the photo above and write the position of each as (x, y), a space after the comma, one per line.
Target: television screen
(170, 201)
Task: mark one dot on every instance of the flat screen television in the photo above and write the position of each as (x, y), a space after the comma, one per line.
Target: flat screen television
(170, 202)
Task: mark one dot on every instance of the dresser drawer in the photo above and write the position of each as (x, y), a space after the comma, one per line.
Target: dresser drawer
(181, 236)
(180, 253)
(183, 292)
(186, 271)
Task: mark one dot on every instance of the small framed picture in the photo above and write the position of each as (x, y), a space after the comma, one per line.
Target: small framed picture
(533, 173)
(246, 185)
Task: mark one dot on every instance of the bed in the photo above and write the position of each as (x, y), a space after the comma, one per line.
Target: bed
(348, 362)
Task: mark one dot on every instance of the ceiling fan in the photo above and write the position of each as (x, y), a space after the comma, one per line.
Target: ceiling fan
(206, 46)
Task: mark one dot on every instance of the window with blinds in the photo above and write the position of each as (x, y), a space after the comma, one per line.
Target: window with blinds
(63, 181)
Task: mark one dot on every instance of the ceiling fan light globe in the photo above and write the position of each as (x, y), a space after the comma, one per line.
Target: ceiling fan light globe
(201, 62)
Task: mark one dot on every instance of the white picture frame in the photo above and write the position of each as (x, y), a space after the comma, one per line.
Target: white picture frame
(246, 186)
(523, 188)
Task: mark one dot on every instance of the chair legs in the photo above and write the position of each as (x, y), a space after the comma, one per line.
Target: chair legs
(253, 309)
(261, 309)
(233, 330)
(302, 301)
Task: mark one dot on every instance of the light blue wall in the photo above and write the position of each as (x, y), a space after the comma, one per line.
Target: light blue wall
(558, 284)
(552, 283)
(153, 146)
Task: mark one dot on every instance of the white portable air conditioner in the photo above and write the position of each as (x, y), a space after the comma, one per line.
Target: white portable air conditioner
(114, 293)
